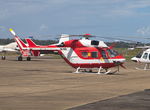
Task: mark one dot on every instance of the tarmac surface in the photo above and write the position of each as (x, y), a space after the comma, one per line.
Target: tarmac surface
(49, 84)
(135, 101)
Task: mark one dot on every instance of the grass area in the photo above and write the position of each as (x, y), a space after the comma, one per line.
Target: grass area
(10, 54)
(128, 54)
(55, 56)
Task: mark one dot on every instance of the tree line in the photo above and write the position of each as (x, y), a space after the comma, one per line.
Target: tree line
(39, 42)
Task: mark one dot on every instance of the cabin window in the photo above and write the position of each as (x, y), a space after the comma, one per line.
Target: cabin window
(145, 55)
(112, 53)
(104, 54)
(94, 54)
(149, 56)
(139, 55)
(85, 54)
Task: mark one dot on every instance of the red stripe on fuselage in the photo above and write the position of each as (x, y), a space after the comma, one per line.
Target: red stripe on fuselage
(90, 65)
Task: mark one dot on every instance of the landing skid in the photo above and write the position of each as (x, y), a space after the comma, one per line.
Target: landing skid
(100, 70)
(20, 58)
(3, 56)
(146, 67)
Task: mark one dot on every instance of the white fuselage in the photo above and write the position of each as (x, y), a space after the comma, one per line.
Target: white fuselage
(72, 57)
(9, 47)
(144, 58)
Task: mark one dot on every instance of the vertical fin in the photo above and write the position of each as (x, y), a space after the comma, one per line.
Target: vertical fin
(63, 38)
(30, 43)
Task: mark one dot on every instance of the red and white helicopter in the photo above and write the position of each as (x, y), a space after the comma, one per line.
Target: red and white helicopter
(82, 54)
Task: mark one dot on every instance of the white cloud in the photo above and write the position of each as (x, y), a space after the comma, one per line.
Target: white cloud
(129, 8)
(43, 27)
(144, 31)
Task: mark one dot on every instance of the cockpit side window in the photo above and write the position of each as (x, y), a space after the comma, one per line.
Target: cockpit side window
(104, 54)
(139, 55)
(145, 55)
(112, 53)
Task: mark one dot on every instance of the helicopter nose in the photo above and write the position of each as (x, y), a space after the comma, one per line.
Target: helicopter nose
(123, 60)
(134, 59)
(119, 61)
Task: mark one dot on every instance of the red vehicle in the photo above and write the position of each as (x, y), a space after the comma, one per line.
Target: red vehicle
(82, 54)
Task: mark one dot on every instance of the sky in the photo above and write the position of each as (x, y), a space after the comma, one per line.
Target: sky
(46, 19)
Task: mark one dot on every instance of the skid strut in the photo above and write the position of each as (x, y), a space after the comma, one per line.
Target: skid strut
(146, 67)
(89, 70)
